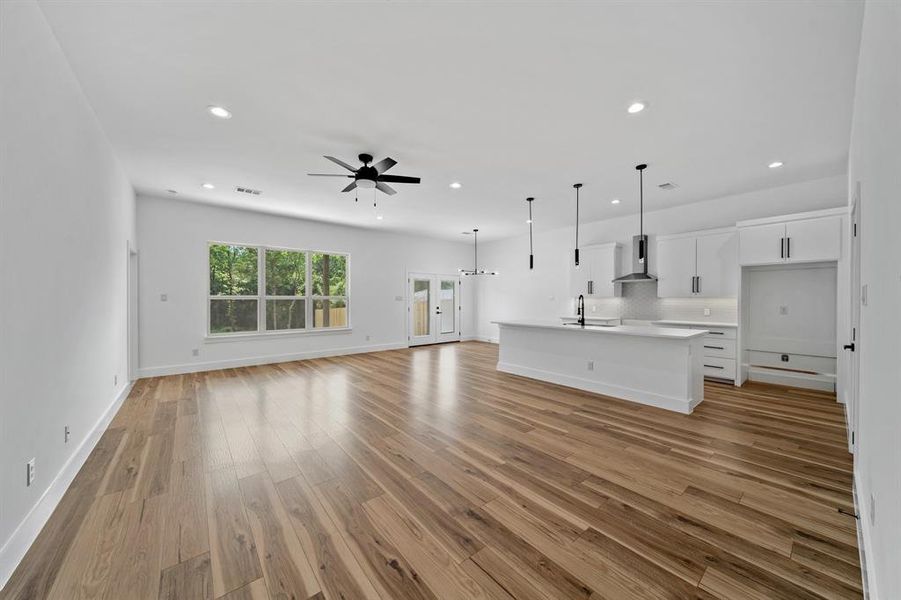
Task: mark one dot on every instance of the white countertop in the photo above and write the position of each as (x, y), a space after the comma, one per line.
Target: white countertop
(633, 330)
(589, 318)
(695, 323)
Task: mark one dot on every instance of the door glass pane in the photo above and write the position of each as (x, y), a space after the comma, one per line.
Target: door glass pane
(330, 312)
(448, 305)
(229, 316)
(286, 314)
(421, 303)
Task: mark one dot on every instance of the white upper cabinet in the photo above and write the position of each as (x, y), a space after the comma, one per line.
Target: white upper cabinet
(699, 264)
(762, 244)
(676, 267)
(599, 265)
(791, 239)
(717, 265)
(813, 240)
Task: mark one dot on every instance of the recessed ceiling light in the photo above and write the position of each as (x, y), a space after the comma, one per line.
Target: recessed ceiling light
(636, 107)
(456, 185)
(775, 164)
(172, 191)
(208, 186)
(379, 217)
(218, 111)
(614, 201)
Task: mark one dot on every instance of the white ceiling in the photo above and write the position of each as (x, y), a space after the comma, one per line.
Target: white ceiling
(511, 99)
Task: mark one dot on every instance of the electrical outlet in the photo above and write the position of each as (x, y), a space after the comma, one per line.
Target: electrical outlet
(706, 312)
(195, 352)
(591, 365)
(594, 308)
(164, 297)
(66, 434)
(783, 310)
(368, 338)
(29, 472)
(872, 510)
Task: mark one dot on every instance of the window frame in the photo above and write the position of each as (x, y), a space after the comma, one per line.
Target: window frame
(261, 296)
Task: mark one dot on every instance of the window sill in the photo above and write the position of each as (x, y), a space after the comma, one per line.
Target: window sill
(237, 337)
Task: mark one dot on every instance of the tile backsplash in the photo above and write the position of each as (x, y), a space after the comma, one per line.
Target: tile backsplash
(639, 301)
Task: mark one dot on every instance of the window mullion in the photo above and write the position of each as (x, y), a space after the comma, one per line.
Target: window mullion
(261, 289)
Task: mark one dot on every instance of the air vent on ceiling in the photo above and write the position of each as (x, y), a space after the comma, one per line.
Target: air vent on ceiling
(250, 191)
(668, 186)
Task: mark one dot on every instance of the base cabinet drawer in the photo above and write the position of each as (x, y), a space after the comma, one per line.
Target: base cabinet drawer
(721, 368)
(718, 332)
(719, 347)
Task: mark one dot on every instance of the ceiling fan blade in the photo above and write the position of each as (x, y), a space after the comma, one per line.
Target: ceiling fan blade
(385, 188)
(352, 185)
(384, 164)
(328, 175)
(398, 179)
(338, 161)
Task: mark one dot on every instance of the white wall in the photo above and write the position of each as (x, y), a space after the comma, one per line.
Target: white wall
(173, 238)
(519, 293)
(66, 215)
(875, 162)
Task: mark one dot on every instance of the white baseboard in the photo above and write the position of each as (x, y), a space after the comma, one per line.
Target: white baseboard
(864, 540)
(14, 549)
(266, 359)
(632, 395)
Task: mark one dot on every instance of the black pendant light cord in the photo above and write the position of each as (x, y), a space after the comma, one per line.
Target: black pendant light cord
(641, 248)
(531, 253)
(577, 186)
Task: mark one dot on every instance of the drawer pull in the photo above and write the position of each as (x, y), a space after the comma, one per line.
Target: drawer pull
(715, 347)
(714, 367)
(715, 333)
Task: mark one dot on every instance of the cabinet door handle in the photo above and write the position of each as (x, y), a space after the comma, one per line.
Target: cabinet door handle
(715, 347)
(781, 247)
(714, 367)
(715, 333)
(788, 247)
(698, 285)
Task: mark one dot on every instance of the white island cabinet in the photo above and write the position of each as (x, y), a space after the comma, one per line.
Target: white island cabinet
(657, 366)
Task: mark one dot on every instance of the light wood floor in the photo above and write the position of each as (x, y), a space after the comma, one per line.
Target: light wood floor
(425, 473)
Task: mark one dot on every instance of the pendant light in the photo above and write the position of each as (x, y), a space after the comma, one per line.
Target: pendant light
(639, 242)
(475, 261)
(531, 255)
(578, 186)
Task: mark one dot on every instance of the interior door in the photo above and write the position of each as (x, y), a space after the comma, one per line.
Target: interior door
(676, 267)
(761, 244)
(434, 308)
(717, 266)
(853, 345)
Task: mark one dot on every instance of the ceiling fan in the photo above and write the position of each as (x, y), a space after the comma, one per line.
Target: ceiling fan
(369, 176)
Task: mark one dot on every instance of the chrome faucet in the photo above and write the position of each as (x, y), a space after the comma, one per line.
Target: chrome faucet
(581, 310)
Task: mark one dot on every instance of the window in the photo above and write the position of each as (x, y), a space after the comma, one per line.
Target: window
(329, 290)
(234, 284)
(267, 290)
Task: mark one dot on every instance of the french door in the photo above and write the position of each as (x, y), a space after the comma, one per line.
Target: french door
(433, 308)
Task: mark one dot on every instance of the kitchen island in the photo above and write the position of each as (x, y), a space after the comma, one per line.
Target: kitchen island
(657, 366)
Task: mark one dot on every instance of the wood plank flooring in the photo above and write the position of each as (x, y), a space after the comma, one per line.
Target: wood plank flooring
(425, 473)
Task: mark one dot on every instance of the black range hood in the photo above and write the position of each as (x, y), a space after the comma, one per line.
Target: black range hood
(639, 242)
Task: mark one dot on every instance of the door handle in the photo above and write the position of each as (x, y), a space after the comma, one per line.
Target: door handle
(849, 346)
